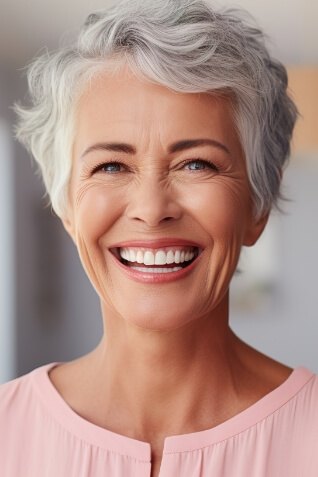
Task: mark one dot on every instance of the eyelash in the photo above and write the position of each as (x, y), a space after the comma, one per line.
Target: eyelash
(189, 161)
(201, 161)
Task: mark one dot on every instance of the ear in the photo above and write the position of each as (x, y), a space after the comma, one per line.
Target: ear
(255, 230)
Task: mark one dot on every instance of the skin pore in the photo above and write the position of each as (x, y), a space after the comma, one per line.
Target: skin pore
(168, 362)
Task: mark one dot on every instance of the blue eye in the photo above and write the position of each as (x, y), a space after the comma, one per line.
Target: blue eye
(114, 166)
(203, 164)
(105, 167)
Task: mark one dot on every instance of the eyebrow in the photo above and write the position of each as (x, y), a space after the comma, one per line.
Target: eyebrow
(175, 147)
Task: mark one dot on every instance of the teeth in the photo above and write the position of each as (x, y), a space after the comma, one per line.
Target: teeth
(132, 256)
(159, 257)
(149, 258)
(139, 256)
(157, 270)
(170, 257)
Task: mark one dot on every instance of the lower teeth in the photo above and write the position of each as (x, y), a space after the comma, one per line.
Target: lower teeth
(156, 270)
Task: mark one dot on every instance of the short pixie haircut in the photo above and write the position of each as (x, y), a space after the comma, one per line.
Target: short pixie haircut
(185, 45)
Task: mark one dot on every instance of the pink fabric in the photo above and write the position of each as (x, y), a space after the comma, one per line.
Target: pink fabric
(41, 436)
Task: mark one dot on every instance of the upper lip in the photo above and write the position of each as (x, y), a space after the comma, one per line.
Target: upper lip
(157, 243)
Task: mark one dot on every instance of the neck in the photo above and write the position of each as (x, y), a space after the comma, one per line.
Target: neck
(166, 382)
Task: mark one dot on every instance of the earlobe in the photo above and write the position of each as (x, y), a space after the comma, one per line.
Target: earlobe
(255, 230)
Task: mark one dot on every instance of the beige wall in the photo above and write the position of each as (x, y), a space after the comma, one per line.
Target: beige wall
(303, 85)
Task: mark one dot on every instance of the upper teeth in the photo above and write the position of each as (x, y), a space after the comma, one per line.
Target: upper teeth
(156, 257)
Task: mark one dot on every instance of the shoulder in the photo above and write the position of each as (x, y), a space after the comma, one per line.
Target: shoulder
(21, 410)
(303, 389)
(300, 424)
(15, 394)
(10, 389)
(19, 397)
(22, 418)
(309, 387)
(302, 405)
(308, 395)
(16, 419)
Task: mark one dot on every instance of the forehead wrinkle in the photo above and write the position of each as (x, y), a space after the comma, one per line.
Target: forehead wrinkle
(150, 143)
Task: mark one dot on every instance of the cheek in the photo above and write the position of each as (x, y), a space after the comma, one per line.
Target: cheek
(220, 207)
(97, 209)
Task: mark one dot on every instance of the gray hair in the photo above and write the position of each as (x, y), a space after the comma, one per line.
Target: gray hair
(185, 45)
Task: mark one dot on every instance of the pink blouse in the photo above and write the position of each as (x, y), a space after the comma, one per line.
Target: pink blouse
(41, 436)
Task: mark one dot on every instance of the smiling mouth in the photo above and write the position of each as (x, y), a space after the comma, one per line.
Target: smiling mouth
(127, 263)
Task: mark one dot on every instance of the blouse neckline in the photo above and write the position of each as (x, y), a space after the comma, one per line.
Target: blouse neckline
(141, 450)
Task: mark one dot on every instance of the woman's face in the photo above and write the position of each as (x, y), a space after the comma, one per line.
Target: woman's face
(152, 194)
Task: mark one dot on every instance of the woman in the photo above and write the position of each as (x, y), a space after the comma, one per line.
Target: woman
(161, 135)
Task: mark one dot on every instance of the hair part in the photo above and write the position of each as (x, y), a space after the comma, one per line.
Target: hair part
(185, 45)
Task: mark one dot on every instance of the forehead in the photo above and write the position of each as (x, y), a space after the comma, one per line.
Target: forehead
(122, 103)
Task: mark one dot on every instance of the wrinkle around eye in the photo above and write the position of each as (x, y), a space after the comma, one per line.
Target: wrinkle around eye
(82, 191)
(236, 187)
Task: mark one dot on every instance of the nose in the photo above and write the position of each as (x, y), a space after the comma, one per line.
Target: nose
(153, 202)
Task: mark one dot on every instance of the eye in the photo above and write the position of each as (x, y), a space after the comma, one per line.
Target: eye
(203, 164)
(114, 166)
(108, 167)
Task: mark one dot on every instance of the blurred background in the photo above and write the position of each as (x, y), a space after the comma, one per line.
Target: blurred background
(48, 309)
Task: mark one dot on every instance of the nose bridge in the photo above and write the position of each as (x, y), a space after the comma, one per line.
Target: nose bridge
(153, 199)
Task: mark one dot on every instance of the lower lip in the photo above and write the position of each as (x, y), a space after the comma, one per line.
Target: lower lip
(145, 277)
